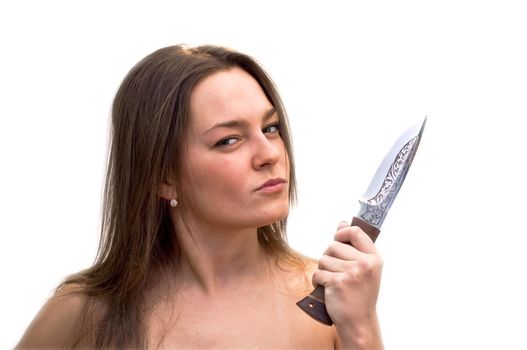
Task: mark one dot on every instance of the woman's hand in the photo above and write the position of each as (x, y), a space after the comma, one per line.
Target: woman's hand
(350, 271)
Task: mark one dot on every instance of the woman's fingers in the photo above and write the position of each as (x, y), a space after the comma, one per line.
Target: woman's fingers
(355, 236)
(350, 242)
(322, 278)
(352, 257)
(333, 264)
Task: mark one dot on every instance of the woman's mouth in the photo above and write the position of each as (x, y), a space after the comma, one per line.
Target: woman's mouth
(272, 186)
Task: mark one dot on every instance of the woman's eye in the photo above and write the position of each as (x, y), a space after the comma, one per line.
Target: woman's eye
(272, 129)
(227, 141)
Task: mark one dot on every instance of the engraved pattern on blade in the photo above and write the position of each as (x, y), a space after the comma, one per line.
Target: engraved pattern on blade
(378, 206)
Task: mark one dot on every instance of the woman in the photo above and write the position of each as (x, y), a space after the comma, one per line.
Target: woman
(193, 252)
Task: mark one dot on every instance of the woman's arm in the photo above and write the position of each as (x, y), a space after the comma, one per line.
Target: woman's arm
(350, 271)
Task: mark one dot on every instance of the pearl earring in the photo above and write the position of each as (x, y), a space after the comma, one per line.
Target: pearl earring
(173, 203)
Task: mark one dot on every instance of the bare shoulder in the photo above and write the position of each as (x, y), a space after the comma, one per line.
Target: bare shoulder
(56, 321)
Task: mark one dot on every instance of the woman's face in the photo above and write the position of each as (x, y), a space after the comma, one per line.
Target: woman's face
(235, 171)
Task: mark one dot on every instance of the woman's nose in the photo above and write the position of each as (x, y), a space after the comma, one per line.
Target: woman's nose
(267, 151)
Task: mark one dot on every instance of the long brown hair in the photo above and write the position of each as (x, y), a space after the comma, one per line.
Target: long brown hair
(149, 120)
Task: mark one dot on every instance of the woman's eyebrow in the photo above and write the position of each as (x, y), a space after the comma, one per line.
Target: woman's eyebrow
(240, 122)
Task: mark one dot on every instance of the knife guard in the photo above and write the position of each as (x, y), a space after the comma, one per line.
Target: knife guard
(314, 304)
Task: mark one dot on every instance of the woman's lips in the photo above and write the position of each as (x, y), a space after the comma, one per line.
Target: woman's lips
(272, 186)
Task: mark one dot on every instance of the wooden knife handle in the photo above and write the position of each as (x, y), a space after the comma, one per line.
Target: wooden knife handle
(314, 304)
(371, 231)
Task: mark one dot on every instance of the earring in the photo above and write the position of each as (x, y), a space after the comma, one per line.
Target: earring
(173, 203)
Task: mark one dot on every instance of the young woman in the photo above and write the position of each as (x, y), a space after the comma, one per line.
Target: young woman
(193, 251)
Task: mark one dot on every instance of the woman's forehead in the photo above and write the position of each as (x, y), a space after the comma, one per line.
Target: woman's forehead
(227, 95)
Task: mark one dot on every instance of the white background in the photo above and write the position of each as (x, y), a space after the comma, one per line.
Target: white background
(353, 75)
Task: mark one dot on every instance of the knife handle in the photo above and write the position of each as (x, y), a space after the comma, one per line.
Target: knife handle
(314, 304)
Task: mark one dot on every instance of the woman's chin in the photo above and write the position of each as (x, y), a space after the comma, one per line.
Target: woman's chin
(274, 216)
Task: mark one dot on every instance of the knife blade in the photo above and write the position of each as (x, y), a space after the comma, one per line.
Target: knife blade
(374, 205)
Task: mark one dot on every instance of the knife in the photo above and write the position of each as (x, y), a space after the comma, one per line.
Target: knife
(375, 205)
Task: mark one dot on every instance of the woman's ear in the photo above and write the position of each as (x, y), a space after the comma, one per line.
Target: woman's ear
(167, 191)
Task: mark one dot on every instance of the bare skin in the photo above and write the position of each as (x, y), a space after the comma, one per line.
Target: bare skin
(227, 292)
(252, 313)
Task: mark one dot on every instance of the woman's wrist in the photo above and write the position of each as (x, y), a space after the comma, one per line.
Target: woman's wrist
(361, 335)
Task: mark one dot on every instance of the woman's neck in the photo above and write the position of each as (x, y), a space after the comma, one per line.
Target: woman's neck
(216, 259)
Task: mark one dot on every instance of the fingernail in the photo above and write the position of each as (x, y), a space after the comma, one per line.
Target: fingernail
(342, 224)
